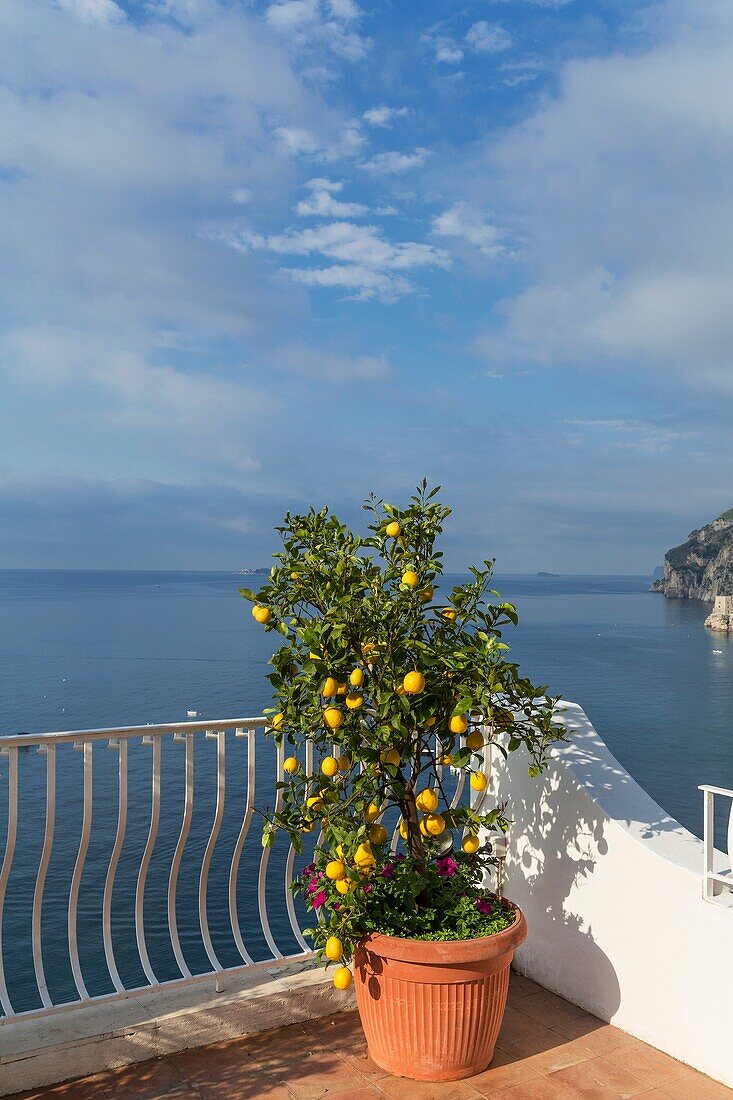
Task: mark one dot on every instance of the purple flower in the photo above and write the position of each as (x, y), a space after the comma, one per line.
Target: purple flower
(399, 856)
(308, 870)
(336, 905)
(319, 899)
(446, 867)
(367, 887)
(484, 907)
(388, 870)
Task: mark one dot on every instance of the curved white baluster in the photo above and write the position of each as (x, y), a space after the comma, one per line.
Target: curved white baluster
(208, 854)
(145, 863)
(114, 858)
(289, 863)
(178, 856)
(7, 864)
(81, 856)
(237, 854)
(730, 836)
(50, 751)
(461, 782)
(264, 860)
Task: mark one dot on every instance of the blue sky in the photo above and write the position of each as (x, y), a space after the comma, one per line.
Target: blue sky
(262, 255)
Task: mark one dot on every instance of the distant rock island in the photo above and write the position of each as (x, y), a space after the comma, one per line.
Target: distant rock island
(702, 567)
(541, 574)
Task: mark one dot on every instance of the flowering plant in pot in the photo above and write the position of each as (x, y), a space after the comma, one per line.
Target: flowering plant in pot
(401, 691)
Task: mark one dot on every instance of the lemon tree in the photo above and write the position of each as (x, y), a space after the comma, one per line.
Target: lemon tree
(392, 678)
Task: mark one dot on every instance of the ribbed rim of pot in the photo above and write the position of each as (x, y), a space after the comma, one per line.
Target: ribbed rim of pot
(449, 951)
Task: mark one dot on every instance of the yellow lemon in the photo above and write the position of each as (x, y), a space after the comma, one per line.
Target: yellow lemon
(393, 529)
(446, 759)
(430, 722)
(479, 781)
(424, 828)
(414, 683)
(333, 717)
(403, 828)
(344, 763)
(294, 576)
(368, 649)
(334, 949)
(314, 803)
(342, 688)
(335, 870)
(372, 812)
(410, 578)
(364, 857)
(290, 765)
(435, 824)
(470, 844)
(354, 700)
(307, 826)
(378, 834)
(329, 766)
(356, 679)
(342, 978)
(390, 756)
(427, 801)
(277, 721)
(330, 687)
(261, 614)
(458, 724)
(475, 741)
(343, 885)
(426, 595)
(449, 614)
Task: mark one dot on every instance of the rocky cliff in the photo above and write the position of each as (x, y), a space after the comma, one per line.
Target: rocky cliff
(702, 567)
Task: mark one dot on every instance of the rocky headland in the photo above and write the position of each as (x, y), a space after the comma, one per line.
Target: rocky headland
(702, 567)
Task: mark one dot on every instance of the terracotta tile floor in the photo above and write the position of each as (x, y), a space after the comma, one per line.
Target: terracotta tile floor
(548, 1050)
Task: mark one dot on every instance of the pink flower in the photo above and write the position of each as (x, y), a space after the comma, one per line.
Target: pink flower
(336, 905)
(446, 867)
(484, 907)
(313, 885)
(367, 887)
(319, 899)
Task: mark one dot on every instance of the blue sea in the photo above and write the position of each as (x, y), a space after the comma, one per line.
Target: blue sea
(81, 650)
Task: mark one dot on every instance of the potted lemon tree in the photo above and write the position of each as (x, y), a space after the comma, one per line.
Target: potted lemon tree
(402, 688)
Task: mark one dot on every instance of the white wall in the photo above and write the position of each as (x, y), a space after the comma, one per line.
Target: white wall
(611, 887)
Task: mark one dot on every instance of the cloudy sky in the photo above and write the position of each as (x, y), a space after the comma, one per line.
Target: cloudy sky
(258, 255)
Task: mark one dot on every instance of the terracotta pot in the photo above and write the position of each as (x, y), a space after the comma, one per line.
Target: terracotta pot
(432, 1010)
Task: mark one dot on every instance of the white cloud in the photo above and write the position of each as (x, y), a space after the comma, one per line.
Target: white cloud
(384, 116)
(93, 11)
(315, 24)
(298, 141)
(487, 38)
(481, 37)
(363, 259)
(443, 45)
(462, 221)
(332, 366)
(394, 163)
(321, 203)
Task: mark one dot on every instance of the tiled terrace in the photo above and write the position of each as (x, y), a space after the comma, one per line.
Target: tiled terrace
(548, 1050)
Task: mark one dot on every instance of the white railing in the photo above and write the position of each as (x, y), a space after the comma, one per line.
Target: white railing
(717, 885)
(121, 871)
(24, 874)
